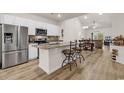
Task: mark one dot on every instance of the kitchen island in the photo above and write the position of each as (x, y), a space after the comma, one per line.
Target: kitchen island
(51, 56)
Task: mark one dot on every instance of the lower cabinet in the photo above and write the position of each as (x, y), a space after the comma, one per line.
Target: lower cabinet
(33, 52)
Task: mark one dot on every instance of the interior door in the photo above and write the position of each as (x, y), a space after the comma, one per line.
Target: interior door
(9, 39)
(23, 38)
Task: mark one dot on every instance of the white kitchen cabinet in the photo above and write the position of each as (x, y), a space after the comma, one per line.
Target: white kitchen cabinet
(52, 30)
(40, 25)
(26, 22)
(21, 21)
(1, 18)
(31, 28)
(56, 31)
(33, 52)
(8, 19)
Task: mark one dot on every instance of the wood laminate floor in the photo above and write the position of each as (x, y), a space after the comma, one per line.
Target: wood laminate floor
(97, 66)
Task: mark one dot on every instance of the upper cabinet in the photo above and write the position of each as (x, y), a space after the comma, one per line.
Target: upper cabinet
(21, 21)
(8, 19)
(40, 25)
(52, 30)
(32, 27)
(1, 18)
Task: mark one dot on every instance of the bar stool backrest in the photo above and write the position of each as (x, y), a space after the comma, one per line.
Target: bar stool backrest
(81, 44)
(73, 45)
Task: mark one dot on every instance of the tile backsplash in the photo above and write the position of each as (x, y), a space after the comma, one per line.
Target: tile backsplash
(52, 38)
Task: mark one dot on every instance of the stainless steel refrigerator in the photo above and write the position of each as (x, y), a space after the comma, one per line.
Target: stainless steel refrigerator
(13, 45)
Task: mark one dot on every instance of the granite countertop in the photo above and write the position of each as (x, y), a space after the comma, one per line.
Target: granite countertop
(52, 45)
(117, 45)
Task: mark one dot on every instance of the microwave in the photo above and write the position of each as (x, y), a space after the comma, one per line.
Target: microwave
(41, 32)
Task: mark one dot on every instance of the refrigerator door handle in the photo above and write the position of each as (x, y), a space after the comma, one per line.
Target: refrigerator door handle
(18, 37)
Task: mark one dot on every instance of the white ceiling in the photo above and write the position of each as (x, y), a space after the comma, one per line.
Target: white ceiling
(54, 16)
(101, 21)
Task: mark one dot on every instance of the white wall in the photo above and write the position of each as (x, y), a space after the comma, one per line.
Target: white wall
(118, 24)
(104, 31)
(72, 29)
(116, 29)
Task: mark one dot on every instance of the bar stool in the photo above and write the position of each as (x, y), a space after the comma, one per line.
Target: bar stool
(78, 50)
(69, 54)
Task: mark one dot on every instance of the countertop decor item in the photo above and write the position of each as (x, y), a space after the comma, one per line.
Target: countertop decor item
(114, 54)
(119, 40)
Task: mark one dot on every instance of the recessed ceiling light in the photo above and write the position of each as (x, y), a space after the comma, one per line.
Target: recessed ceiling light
(85, 17)
(85, 27)
(59, 15)
(100, 13)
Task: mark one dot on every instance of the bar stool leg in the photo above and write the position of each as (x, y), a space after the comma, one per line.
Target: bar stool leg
(74, 56)
(74, 61)
(82, 56)
(69, 62)
(64, 61)
(75, 64)
(70, 66)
